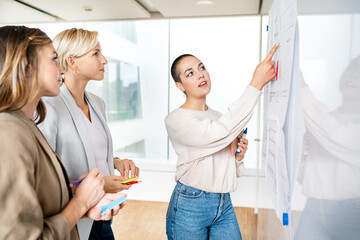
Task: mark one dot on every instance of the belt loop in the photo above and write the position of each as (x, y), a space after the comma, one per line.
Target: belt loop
(178, 186)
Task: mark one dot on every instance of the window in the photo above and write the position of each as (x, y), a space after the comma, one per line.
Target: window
(120, 90)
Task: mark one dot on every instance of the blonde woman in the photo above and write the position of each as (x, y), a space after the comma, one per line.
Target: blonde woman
(75, 125)
(36, 201)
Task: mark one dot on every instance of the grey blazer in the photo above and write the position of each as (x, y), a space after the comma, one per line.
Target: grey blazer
(67, 135)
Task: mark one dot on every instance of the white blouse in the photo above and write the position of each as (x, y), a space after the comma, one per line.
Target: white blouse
(98, 139)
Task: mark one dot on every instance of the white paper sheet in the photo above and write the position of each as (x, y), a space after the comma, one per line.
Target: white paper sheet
(283, 120)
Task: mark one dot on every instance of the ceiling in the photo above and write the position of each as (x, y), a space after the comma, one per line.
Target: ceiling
(32, 11)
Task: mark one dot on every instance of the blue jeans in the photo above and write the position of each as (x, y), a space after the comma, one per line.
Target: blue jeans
(101, 230)
(196, 214)
(329, 219)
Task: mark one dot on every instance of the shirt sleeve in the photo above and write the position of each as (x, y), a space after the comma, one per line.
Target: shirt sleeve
(21, 213)
(240, 168)
(205, 137)
(338, 138)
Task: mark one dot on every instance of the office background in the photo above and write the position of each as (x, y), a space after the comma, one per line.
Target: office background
(228, 36)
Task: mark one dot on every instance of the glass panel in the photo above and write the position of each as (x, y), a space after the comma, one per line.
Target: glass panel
(329, 175)
(120, 90)
(326, 195)
(135, 86)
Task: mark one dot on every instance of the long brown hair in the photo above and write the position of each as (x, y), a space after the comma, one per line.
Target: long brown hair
(19, 64)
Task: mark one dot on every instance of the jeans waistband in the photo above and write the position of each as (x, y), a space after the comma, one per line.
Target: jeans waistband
(179, 185)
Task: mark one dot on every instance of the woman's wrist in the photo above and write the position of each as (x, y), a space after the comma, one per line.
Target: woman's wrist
(74, 211)
(256, 84)
(238, 159)
(116, 160)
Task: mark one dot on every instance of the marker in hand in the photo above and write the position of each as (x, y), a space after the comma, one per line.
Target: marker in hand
(76, 182)
(243, 136)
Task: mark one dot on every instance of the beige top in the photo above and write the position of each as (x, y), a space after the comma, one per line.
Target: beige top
(201, 140)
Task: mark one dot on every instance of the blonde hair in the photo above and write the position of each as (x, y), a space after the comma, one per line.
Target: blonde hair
(19, 65)
(74, 42)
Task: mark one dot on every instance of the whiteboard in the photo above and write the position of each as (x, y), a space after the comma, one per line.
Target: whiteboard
(283, 121)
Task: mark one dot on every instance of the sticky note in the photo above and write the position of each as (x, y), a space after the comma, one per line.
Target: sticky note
(111, 205)
(133, 182)
(129, 180)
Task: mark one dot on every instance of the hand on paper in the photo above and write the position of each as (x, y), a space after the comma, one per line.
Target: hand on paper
(95, 212)
(243, 143)
(126, 165)
(265, 71)
(112, 184)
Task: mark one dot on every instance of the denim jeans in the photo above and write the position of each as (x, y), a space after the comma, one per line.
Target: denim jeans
(196, 214)
(101, 230)
(329, 219)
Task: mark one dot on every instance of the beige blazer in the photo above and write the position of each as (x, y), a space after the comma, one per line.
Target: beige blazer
(33, 183)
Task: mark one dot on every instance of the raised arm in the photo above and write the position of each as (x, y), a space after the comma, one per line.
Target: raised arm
(205, 137)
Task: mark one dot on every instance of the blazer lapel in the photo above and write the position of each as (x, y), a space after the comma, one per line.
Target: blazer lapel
(76, 116)
(99, 112)
(60, 170)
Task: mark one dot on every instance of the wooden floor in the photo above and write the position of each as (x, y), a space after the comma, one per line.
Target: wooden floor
(142, 220)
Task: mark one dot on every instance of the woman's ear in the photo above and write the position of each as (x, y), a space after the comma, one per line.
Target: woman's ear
(180, 86)
(70, 62)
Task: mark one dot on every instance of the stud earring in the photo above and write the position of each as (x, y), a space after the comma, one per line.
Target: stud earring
(76, 71)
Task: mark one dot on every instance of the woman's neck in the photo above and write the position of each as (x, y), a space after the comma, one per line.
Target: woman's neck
(76, 87)
(30, 107)
(195, 104)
